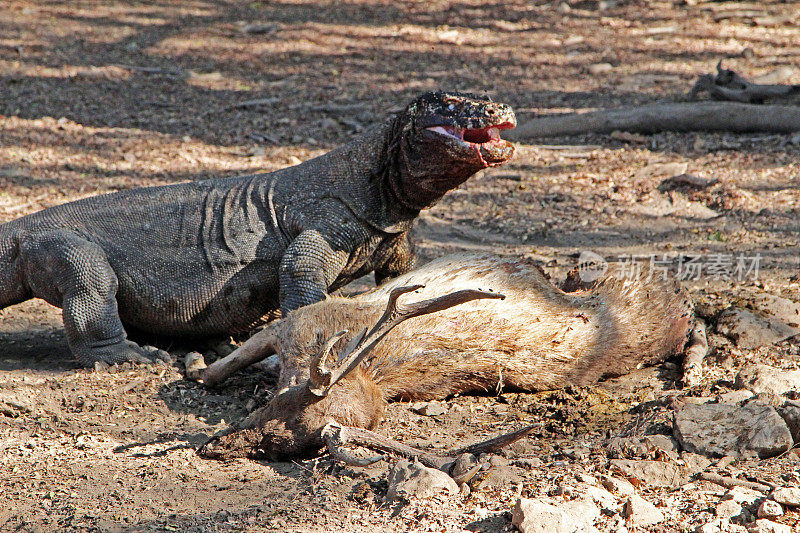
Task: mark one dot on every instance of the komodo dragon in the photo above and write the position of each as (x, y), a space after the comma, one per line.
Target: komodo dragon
(213, 257)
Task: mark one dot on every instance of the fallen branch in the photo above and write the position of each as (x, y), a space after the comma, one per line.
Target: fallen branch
(728, 85)
(733, 117)
(730, 482)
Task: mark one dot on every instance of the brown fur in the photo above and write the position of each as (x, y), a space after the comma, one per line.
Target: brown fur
(537, 338)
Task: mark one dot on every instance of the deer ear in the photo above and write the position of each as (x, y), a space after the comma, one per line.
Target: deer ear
(320, 376)
(352, 345)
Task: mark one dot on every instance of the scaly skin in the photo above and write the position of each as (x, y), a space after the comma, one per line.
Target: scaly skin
(214, 257)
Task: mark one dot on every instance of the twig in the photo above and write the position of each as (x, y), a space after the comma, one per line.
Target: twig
(731, 482)
(151, 70)
(243, 105)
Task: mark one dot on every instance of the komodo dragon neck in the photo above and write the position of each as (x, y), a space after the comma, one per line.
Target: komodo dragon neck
(405, 174)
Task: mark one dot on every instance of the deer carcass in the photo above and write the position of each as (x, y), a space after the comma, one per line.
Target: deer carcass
(469, 323)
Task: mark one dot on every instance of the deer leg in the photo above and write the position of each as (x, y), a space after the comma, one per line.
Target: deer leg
(258, 347)
(693, 355)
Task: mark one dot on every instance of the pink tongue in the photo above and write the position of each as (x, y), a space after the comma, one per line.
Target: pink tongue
(494, 133)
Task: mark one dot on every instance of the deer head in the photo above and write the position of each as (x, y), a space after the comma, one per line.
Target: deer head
(292, 423)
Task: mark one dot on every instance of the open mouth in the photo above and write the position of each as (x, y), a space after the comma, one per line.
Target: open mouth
(486, 141)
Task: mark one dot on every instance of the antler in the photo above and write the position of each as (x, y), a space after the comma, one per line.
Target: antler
(336, 436)
(322, 379)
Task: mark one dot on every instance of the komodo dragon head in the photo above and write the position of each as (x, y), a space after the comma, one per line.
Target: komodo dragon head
(441, 139)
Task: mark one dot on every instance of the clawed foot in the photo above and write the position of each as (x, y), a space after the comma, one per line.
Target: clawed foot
(127, 351)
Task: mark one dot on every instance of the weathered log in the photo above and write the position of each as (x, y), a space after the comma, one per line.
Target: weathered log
(732, 117)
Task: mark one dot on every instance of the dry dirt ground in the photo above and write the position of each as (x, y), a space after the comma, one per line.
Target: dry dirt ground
(102, 96)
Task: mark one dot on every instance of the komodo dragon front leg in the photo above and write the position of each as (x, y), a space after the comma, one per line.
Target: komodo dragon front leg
(315, 259)
(70, 272)
(310, 265)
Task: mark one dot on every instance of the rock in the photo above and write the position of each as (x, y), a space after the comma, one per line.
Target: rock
(731, 510)
(645, 447)
(767, 379)
(414, 480)
(790, 412)
(719, 429)
(627, 136)
(696, 400)
(600, 497)
(769, 509)
(270, 366)
(744, 496)
(259, 29)
(521, 448)
(694, 462)
(499, 476)
(720, 525)
(775, 307)
(586, 478)
(787, 496)
(328, 123)
(541, 516)
(432, 408)
(653, 473)
(779, 75)
(735, 397)
(750, 329)
(622, 487)
(528, 463)
(464, 467)
(600, 68)
(641, 513)
(665, 170)
(763, 525)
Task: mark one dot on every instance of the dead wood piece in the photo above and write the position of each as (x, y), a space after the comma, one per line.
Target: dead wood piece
(728, 85)
(685, 116)
(731, 482)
